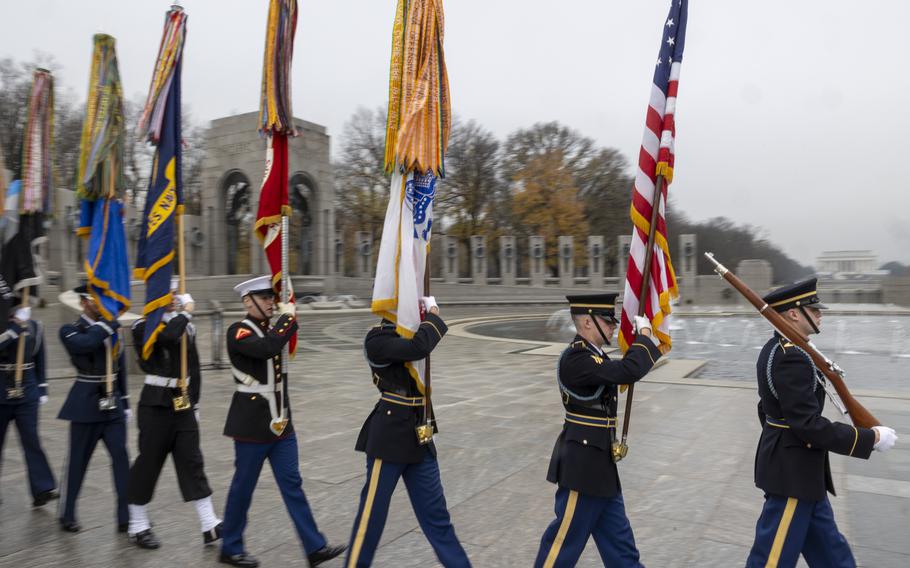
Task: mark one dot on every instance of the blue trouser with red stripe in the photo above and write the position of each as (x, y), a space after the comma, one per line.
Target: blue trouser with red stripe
(789, 527)
(425, 490)
(579, 516)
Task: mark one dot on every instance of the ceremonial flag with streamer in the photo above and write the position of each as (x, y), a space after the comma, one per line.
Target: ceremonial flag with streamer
(17, 268)
(417, 133)
(276, 122)
(161, 124)
(38, 146)
(99, 183)
(654, 175)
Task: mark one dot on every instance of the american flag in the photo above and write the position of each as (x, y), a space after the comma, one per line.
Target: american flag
(655, 160)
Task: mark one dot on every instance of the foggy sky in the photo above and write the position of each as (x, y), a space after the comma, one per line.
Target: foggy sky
(792, 116)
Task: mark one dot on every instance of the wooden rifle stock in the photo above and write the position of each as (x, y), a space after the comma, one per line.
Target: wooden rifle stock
(857, 412)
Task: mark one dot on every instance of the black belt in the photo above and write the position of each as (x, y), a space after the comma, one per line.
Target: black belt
(402, 400)
(588, 420)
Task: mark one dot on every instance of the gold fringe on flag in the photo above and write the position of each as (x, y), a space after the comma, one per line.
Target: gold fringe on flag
(420, 113)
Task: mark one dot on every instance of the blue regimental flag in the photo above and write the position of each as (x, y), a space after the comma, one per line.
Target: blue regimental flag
(106, 264)
(163, 203)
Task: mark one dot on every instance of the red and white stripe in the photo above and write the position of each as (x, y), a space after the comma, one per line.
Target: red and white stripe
(655, 158)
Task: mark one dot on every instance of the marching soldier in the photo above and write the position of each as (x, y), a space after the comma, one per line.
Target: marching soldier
(20, 402)
(589, 498)
(259, 420)
(93, 412)
(791, 462)
(389, 439)
(168, 424)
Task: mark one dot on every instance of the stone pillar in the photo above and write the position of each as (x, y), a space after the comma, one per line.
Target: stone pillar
(450, 260)
(338, 268)
(687, 265)
(566, 261)
(507, 260)
(596, 261)
(537, 268)
(758, 274)
(623, 244)
(479, 259)
(364, 254)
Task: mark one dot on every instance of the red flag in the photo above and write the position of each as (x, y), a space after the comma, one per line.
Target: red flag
(273, 204)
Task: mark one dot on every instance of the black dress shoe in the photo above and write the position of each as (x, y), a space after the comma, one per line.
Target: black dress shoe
(123, 527)
(210, 536)
(69, 526)
(243, 560)
(145, 539)
(325, 553)
(45, 496)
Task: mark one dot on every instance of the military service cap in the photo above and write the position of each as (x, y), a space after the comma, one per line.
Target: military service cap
(802, 294)
(603, 305)
(259, 286)
(82, 291)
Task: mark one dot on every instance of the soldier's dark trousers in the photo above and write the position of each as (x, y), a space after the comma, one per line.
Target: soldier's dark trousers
(580, 516)
(40, 478)
(249, 457)
(425, 491)
(789, 527)
(84, 436)
(163, 431)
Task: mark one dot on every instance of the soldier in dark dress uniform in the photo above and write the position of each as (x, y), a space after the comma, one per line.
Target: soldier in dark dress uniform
(21, 405)
(390, 441)
(87, 341)
(164, 429)
(589, 498)
(259, 421)
(791, 463)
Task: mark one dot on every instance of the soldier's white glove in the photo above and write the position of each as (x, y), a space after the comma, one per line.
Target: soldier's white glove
(429, 302)
(289, 308)
(23, 314)
(886, 438)
(127, 413)
(196, 412)
(641, 323)
(42, 400)
(186, 302)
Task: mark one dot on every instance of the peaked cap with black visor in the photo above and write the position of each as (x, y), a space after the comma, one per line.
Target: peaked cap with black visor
(261, 286)
(602, 305)
(801, 295)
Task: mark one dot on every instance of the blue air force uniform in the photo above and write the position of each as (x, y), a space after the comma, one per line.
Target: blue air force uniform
(253, 421)
(389, 439)
(85, 341)
(24, 410)
(791, 462)
(589, 496)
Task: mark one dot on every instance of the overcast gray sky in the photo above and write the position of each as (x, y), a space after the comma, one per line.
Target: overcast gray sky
(792, 115)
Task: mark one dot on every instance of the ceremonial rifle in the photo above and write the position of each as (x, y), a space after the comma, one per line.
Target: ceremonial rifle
(856, 411)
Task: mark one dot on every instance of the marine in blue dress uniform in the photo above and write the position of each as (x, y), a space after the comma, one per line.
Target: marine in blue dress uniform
(791, 462)
(21, 405)
(259, 421)
(589, 498)
(389, 439)
(87, 341)
(167, 426)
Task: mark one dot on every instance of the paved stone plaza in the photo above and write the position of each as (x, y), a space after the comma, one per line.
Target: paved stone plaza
(687, 480)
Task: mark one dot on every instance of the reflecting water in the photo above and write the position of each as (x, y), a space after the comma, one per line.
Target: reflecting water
(874, 350)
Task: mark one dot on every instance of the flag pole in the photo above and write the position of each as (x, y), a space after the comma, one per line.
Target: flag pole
(621, 451)
(285, 295)
(181, 402)
(20, 347)
(427, 404)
